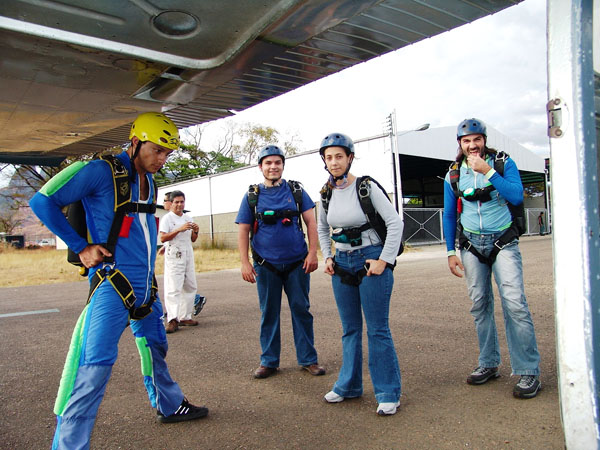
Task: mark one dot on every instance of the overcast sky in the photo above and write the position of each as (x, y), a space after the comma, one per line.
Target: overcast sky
(493, 69)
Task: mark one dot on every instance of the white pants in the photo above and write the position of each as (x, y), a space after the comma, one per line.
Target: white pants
(179, 282)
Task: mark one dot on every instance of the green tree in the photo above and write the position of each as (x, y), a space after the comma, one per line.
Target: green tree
(255, 137)
(9, 217)
(189, 162)
(415, 201)
(26, 180)
(192, 161)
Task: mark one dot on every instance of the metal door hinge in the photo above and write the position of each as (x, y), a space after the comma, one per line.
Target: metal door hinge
(554, 111)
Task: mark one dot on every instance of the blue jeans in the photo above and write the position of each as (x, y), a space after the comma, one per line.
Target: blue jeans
(508, 273)
(373, 297)
(296, 285)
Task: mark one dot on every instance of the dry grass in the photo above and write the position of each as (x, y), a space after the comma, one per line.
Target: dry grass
(48, 265)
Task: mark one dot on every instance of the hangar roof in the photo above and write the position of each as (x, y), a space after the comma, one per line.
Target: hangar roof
(440, 143)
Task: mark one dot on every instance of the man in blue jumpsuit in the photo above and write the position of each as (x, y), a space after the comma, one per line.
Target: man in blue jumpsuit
(93, 349)
(281, 261)
(486, 221)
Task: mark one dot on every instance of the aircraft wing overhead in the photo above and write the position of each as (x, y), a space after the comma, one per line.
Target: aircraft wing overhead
(75, 73)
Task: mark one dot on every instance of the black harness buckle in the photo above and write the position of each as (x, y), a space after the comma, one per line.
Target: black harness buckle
(354, 279)
(121, 285)
(349, 278)
(364, 190)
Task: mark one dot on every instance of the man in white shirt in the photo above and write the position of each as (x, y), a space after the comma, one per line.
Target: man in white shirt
(166, 207)
(178, 231)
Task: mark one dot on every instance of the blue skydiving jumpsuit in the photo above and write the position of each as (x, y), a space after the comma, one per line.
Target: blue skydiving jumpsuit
(94, 343)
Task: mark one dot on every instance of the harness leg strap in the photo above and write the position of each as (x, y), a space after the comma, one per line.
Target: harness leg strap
(263, 262)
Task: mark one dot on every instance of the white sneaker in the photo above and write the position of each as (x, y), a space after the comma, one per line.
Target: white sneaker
(387, 409)
(332, 397)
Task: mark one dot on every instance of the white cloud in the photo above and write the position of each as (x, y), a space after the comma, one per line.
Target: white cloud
(493, 69)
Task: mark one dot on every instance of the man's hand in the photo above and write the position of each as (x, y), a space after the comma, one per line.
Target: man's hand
(454, 264)
(478, 164)
(92, 255)
(311, 262)
(376, 266)
(187, 226)
(329, 266)
(248, 272)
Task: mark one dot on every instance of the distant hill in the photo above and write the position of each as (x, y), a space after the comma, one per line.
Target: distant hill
(31, 227)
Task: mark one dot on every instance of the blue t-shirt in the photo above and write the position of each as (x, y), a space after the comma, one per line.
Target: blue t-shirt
(277, 243)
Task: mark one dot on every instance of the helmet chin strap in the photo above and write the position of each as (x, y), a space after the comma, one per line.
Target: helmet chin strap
(274, 183)
(333, 179)
(136, 151)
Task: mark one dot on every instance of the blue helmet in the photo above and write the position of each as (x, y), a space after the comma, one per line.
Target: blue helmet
(270, 150)
(471, 126)
(337, 140)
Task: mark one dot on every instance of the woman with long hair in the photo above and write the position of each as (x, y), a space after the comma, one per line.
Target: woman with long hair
(361, 273)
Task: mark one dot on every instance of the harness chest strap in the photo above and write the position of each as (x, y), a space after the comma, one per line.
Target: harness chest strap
(123, 204)
(516, 212)
(297, 192)
(288, 214)
(363, 191)
(253, 193)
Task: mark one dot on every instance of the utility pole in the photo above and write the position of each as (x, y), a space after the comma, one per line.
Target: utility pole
(390, 124)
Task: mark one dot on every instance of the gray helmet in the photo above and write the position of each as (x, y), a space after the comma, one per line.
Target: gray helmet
(270, 150)
(337, 140)
(471, 126)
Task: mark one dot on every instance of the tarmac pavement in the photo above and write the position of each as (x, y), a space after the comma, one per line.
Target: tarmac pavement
(435, 341)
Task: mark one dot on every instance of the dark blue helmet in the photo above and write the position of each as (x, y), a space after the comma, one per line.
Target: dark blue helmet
(337, 140)
(471, 126)
(270, 150)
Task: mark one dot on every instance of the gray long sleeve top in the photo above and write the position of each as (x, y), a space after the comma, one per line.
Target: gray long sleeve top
(345, 212)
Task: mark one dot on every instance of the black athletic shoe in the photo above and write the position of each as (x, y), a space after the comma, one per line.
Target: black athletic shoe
(482, 374)
(527, 387)
(199, 303)
(186, 411)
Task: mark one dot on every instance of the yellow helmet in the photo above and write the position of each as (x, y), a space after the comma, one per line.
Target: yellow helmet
(156, 127)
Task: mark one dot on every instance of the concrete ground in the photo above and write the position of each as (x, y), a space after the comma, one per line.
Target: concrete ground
(435, 341)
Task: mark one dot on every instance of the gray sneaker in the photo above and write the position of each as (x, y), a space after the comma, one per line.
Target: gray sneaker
(527, 387)
(199, 303)
(482, 374)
